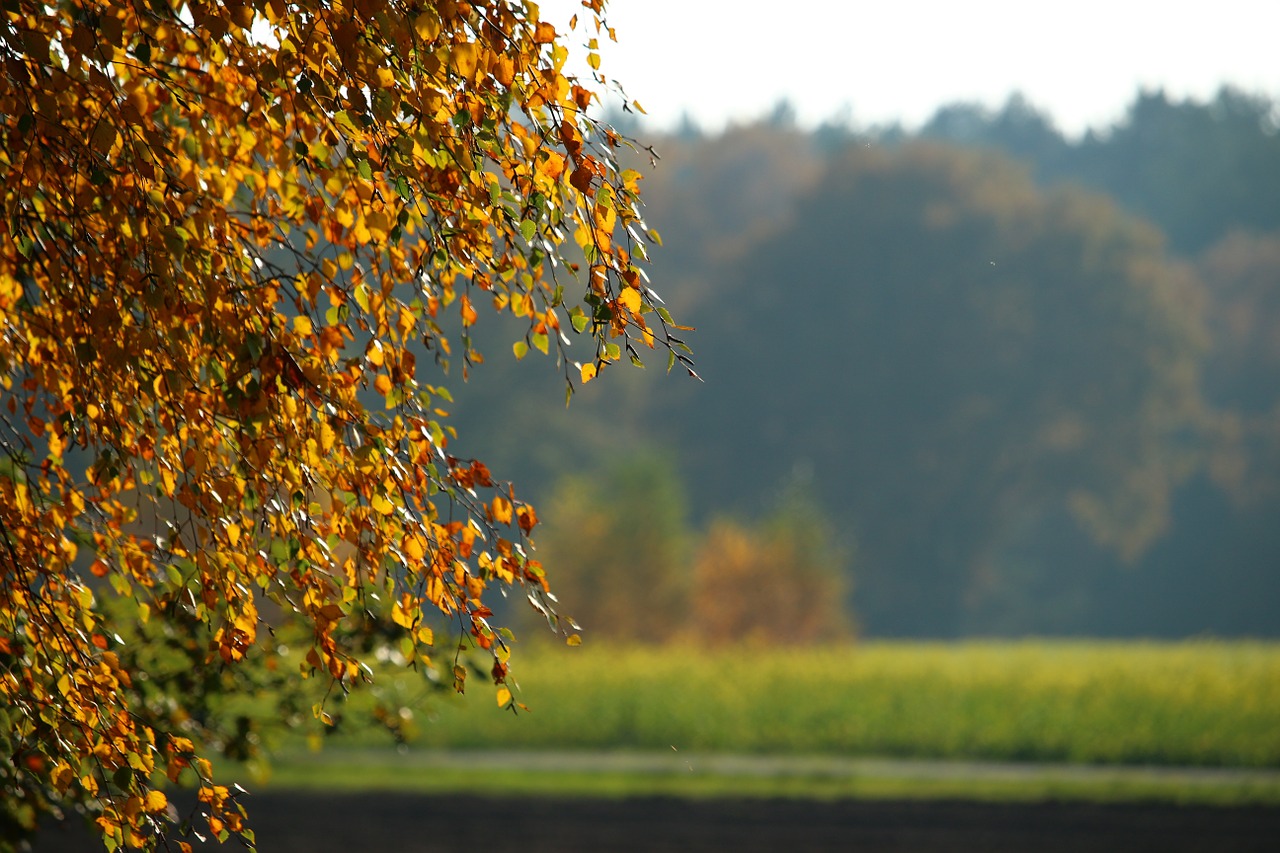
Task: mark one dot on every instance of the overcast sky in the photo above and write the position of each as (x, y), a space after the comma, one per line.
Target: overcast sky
(897, 60)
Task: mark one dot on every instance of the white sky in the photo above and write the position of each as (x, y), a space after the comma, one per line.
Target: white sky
(876, 62)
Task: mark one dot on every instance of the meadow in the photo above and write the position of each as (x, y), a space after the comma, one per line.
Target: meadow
(1199, 704)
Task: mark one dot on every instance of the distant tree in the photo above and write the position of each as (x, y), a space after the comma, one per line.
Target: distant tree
(1198, 170)
(229, 229)
(1216, 572)
(784, 580)
(1018, 128)
(620, 544)
(1241, 275)
(954, 352)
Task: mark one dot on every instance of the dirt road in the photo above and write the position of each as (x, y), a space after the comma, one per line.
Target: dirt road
(326, 823)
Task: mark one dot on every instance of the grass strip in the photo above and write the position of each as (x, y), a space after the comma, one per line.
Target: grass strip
(622, 775)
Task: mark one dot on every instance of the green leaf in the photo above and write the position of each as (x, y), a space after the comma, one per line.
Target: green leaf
(578, 318)
(540, 341)
(254, 345)
(521, 349)
(365, 170)
(666, 316)
(363, 294)
(527, 229)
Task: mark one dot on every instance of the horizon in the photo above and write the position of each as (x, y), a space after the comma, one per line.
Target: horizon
(875, 66)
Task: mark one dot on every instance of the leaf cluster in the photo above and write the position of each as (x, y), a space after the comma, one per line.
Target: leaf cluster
(230, 230)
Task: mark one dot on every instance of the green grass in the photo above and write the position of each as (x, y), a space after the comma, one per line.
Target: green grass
(1192, 704)
(1077, 720)
(617, 776)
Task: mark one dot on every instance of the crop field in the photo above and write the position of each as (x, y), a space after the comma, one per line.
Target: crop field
(1205, 704)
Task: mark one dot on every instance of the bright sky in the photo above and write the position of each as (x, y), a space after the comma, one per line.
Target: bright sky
(876, 62)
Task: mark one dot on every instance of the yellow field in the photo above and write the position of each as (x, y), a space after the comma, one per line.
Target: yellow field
(1193, 703)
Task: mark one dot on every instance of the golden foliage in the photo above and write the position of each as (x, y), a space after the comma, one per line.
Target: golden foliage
(780, 584)
(227, 229)
(619, 545)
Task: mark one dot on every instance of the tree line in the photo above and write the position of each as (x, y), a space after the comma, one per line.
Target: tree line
(1034, 378)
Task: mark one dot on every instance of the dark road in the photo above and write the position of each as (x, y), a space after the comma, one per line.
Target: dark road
(321, 823)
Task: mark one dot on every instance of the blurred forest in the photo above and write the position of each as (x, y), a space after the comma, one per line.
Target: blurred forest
(976, 380)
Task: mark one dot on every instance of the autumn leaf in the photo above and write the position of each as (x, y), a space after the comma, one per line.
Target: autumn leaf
(630, 299)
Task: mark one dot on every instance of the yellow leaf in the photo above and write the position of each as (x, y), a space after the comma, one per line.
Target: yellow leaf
(427, 26)
(588, 372)
(402, 613)
(414, 547)
(379, 225)
(503, 697)
(545, 33)
(62, 776)
(500, 508)
(630, 297)
(573, 640)
(381, 505)
(156, 802)
(462, 59)
(104, 137)
(328, 437)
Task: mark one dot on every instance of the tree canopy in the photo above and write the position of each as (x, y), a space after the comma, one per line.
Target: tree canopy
(965, 359)
(791, 248)
(233, 234)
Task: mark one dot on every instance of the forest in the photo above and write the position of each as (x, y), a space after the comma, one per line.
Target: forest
(975, 379)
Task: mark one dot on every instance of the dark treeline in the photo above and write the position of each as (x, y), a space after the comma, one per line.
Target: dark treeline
(1032, 383)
